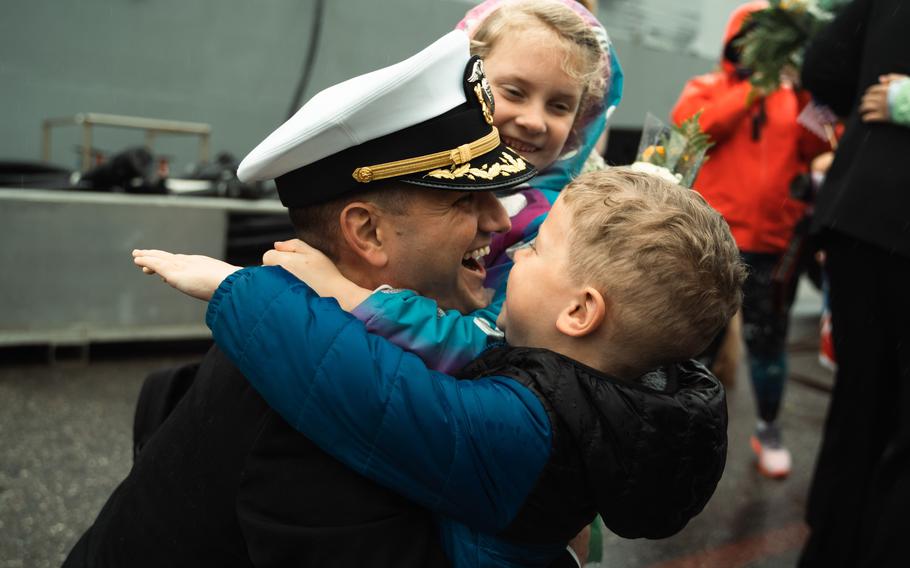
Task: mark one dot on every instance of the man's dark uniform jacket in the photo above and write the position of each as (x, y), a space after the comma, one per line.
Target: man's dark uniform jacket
(226, 482)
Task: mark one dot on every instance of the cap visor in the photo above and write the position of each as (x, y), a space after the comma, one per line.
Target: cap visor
(501, 168)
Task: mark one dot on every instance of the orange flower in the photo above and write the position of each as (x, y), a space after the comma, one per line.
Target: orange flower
(650, 150)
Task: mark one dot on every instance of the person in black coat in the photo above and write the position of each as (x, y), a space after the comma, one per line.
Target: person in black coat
(224, 480)
(860, 493)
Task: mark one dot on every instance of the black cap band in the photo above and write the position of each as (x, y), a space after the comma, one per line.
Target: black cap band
(332, 174)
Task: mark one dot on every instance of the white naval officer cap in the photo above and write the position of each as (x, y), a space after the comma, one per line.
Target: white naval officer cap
(426, 121)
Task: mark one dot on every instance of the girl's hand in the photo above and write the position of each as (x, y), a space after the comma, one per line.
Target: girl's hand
(303, 261)
(317, 270)
(194, 275)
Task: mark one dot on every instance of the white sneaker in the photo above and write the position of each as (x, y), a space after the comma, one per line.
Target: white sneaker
(773, 459)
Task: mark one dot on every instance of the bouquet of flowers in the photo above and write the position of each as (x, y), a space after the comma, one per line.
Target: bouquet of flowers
(777, 38)
(674, 153)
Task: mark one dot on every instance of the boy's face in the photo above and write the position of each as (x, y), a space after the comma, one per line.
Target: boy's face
(536, 100)
(539, 285)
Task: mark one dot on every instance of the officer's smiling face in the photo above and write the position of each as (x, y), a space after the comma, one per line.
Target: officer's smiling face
(436, 248)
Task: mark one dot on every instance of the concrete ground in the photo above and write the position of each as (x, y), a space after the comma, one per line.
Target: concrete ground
(66, 431)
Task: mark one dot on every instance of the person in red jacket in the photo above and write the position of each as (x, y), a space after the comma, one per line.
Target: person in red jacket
(759, 149)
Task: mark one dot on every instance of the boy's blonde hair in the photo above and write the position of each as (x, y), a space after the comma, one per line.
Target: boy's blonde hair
(663, 258)
(584, 59)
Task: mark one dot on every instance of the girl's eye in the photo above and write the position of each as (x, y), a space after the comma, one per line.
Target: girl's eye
(561, 108)
(511, 92)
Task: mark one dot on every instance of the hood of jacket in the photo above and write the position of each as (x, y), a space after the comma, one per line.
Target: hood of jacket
(734, 26)
(648, 452)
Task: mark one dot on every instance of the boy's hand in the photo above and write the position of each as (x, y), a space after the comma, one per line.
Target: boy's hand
(317, 270)
(194, 275)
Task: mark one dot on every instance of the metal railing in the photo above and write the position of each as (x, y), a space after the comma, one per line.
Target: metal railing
(151, 126)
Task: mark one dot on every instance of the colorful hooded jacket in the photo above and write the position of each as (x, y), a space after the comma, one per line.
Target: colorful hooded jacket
(447, 340)
(515, 457)
(759, 149)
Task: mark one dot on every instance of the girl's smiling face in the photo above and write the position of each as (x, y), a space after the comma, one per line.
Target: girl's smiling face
(536, 100)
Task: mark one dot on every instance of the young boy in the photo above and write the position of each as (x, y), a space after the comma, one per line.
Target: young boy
(592, 406)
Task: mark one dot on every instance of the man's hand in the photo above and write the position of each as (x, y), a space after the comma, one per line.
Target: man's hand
(194, 275)
(317, 270)
(874, 104)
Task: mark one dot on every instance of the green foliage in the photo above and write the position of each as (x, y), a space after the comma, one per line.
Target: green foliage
(680, 149)
(778, 40)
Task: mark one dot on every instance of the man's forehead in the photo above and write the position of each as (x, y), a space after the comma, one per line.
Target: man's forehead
(435, 199)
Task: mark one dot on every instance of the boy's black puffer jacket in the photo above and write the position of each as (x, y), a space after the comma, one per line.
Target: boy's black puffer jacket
(645, 454)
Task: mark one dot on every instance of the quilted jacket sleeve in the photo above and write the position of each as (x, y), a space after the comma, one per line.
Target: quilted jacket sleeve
(899, 101)
(470, 450)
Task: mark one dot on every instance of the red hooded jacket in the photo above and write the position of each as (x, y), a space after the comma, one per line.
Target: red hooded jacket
(747, 176)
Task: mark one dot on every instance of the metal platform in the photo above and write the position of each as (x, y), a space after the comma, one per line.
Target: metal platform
(67, 277)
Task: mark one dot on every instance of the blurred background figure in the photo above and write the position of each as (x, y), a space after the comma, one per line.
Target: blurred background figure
(759, 150)
(860, 493)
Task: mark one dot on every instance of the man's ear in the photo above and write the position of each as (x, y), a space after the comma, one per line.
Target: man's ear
(359, 223)
(584, 315)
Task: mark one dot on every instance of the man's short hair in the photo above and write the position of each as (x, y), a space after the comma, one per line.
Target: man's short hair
(665, 260)
(319, 225)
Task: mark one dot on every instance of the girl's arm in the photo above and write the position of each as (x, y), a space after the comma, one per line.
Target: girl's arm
(471, 450)
(193, 274)
(445, 340)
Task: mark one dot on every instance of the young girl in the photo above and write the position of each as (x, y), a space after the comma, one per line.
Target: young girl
(556, 80)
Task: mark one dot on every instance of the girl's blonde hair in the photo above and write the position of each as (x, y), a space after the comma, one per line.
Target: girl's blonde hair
(584, 59)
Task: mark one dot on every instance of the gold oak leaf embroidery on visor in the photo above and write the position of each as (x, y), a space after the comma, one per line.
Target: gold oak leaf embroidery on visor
(506, 166)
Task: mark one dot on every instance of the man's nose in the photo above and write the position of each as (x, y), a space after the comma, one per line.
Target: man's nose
(491, 215)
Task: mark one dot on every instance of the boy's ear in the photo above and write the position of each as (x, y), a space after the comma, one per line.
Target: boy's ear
(584, 315)
(360, 228)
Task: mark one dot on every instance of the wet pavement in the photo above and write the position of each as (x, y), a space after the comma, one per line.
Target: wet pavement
(66, 434)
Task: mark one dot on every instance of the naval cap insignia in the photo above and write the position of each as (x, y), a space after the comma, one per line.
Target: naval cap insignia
(476, 82)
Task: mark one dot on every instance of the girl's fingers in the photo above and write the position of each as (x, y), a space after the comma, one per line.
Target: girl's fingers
(275, 257)
(290, 245)
(143, 261)
(152, 253)
(293, 245)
